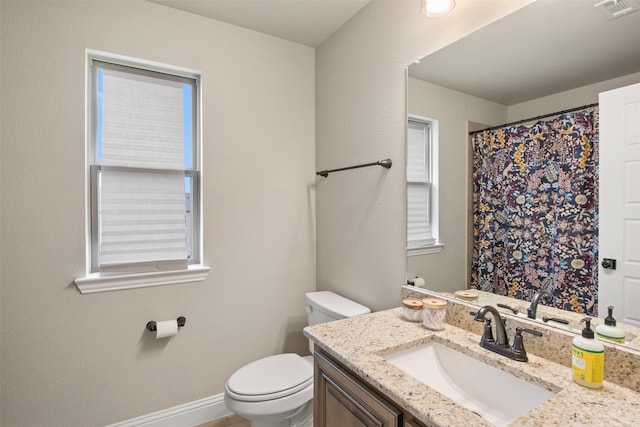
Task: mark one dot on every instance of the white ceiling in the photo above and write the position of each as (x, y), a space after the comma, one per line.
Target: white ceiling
(309, 22)
(547, 47)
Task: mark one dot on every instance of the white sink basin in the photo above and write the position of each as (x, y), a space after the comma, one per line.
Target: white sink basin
(495, 395)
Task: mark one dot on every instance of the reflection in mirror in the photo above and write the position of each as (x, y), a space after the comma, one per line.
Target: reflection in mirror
(547, 57)
(561, 319)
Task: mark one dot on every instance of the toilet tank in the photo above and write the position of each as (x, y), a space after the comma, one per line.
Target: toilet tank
(326, 306)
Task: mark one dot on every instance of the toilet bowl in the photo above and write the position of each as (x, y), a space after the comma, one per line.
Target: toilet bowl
(277, 391)
(274, 391)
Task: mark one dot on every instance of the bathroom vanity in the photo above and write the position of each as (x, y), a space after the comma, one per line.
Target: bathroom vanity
(343, 399)
(356, 383)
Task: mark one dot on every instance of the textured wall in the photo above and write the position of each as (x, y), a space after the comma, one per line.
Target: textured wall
(360, 117)
(569, 99)
(85, 360)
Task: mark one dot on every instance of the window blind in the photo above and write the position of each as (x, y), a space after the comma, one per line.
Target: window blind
(141, 184)
(417, 144)
(419, 230)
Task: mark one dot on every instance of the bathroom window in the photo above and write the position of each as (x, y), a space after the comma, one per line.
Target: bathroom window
(422, 218)
(143, 155)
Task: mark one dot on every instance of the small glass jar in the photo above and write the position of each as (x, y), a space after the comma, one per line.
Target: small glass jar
(412, 309)
(434, 313)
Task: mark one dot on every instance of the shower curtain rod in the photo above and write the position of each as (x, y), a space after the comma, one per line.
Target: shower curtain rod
(544, 116)
(384, 163)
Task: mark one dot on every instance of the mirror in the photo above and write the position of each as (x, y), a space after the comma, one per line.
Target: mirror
(546, 57)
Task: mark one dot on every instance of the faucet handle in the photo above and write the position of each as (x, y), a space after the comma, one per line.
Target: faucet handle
(508, 307)
(487, 333)
(518, 344)
(529, 331)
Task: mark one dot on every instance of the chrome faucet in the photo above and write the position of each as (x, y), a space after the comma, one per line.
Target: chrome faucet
(533, 308)
(501, 344)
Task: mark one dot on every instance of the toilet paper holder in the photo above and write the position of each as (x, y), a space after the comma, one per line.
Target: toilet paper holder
(151, 325)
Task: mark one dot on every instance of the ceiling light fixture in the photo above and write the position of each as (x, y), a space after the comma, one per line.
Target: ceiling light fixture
(437, 7)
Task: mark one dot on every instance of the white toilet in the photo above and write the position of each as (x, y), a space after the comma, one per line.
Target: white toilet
(277, 391)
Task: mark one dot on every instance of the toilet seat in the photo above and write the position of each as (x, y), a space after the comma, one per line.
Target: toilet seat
(270, 378)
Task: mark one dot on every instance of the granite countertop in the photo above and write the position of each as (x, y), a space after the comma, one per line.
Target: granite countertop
(360, 343)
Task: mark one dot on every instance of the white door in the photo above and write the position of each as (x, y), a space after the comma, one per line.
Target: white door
(619, 203)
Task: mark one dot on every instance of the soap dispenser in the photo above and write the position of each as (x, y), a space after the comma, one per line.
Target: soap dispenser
(587, 359)
(608, 330)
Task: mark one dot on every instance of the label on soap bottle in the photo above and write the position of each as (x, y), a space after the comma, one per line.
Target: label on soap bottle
(608, 338)
(588, 365)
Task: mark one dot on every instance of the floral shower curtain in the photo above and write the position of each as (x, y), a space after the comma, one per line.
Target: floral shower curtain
(535, 210)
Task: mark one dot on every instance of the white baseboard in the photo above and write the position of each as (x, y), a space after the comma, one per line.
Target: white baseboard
(186, 415)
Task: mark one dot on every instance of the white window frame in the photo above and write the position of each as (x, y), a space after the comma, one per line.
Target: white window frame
(94, 281)
(431, 243)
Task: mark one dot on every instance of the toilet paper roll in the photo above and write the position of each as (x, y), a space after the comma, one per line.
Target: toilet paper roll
(419, 282)
(166, 328)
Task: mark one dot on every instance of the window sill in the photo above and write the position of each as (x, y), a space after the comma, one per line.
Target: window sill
(95, 282)
(425, 250)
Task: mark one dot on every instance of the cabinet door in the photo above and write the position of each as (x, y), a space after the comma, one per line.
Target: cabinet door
(341, 400)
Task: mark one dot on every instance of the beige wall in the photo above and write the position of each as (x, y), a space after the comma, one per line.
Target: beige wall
(447, 270)
(360, 117)
(85, 360)
(569, 99)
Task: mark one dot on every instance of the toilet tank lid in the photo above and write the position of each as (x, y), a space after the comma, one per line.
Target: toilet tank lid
(335, 304)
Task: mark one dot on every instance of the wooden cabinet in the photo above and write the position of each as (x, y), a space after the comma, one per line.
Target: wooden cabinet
(341, 399)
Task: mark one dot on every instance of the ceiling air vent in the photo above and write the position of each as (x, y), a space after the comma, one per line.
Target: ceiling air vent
(613, 9)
